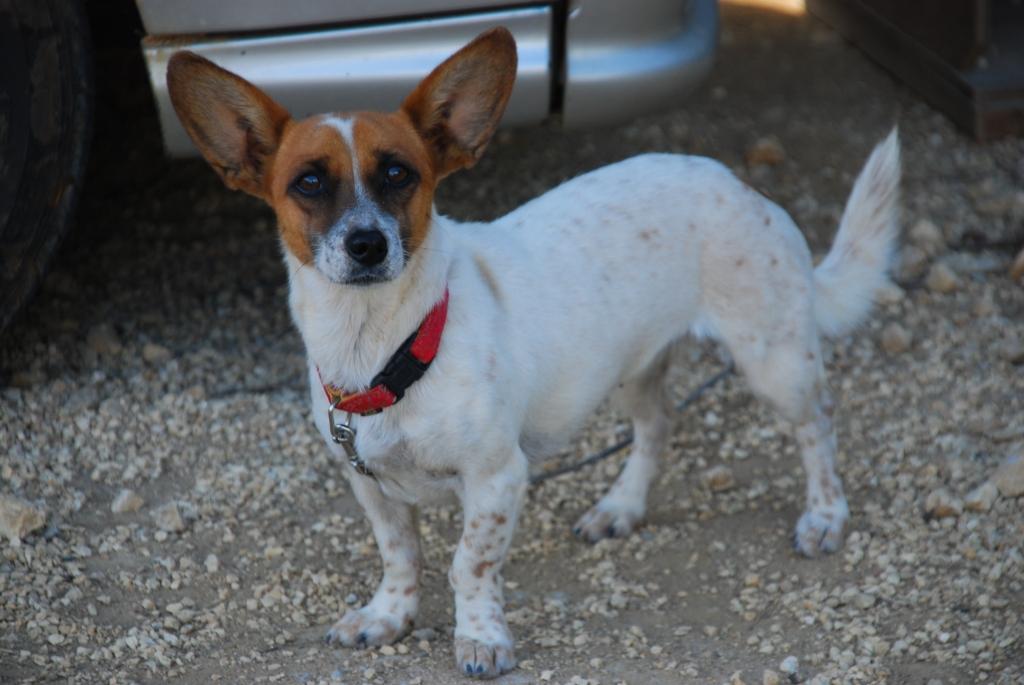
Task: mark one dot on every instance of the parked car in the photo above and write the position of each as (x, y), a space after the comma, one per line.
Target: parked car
(586, 62)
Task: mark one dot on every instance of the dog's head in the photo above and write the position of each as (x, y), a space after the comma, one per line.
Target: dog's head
(353, 192)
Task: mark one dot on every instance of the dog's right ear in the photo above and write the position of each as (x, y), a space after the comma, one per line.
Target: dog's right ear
(235, 125)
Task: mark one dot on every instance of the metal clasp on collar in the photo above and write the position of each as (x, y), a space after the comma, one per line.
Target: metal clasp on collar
(342, 433)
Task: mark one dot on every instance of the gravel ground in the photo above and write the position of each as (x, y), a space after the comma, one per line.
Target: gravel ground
(159, 358)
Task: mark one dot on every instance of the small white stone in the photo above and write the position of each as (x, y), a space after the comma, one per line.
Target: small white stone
(1012, 350)
(1009, 477)
(767, 151)
(126, 501)
(896, 339)
(941, 504)
(718, 478)
(790, 666)
(155, 354)
(212, 563)
(19, 518)
(913, 262)
(942, 279)
(982, 497)
(168, 518)
(927, 236)
(102, 339)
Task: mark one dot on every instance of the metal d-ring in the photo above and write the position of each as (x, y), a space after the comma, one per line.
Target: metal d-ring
(342, 433)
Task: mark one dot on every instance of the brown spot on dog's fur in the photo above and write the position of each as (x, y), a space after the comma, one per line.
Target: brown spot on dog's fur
(479, 569)
(740, 261)
(500, 519)
(409, 590)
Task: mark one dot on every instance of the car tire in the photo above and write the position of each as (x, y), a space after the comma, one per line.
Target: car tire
(46, 101)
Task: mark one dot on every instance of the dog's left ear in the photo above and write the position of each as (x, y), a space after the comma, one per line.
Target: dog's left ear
(458, 106)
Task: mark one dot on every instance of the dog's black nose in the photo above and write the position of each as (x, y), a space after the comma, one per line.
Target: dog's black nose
(368, 246)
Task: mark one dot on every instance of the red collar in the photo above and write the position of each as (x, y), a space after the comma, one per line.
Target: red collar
(405, 367)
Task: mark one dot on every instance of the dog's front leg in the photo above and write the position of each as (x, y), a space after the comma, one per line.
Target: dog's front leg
(491, 497)
(391, 612)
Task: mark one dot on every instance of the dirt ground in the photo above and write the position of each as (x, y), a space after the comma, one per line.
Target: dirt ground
(159, 357)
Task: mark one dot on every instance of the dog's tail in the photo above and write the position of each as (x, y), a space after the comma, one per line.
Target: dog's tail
(857, 266)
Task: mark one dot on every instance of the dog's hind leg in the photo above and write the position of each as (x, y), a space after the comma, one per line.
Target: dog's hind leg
(624, 505)
(391, 612)
(782, 362)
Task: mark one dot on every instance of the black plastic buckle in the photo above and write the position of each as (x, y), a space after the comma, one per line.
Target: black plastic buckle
(402, 370)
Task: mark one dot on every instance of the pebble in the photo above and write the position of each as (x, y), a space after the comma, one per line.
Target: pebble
(890, 293)
(982, 497)
(927, 236)
(767, 151)
(942, 279)
(913, 262)
(19, 518)
(1012, 350)
(718, 479)
(1017, 270)
(790, 666)
(212, 563)
(1009, 477)
(155, 354)
(941, 504)
(127, 500)
(103, 339)
(896, 339)
(168, 518)
(424, 634)
(770, 677)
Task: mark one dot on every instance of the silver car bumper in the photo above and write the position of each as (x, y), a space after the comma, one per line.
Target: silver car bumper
(605, 61)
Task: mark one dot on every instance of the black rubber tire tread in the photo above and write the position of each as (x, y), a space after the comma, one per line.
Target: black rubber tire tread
(46, 102)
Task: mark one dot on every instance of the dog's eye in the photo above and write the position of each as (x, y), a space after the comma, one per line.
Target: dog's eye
(397, 176)
(309, 184)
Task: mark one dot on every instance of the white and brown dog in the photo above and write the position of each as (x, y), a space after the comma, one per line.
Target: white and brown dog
(526, 323)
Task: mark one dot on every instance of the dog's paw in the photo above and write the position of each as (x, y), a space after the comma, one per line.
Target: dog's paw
(607, 520)
(368, 628)
(482, 659)
(821, 530)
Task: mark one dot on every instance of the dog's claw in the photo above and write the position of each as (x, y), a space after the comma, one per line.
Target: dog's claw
(820, 532)
(363, 628)
(605, 521)
(483, 660)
